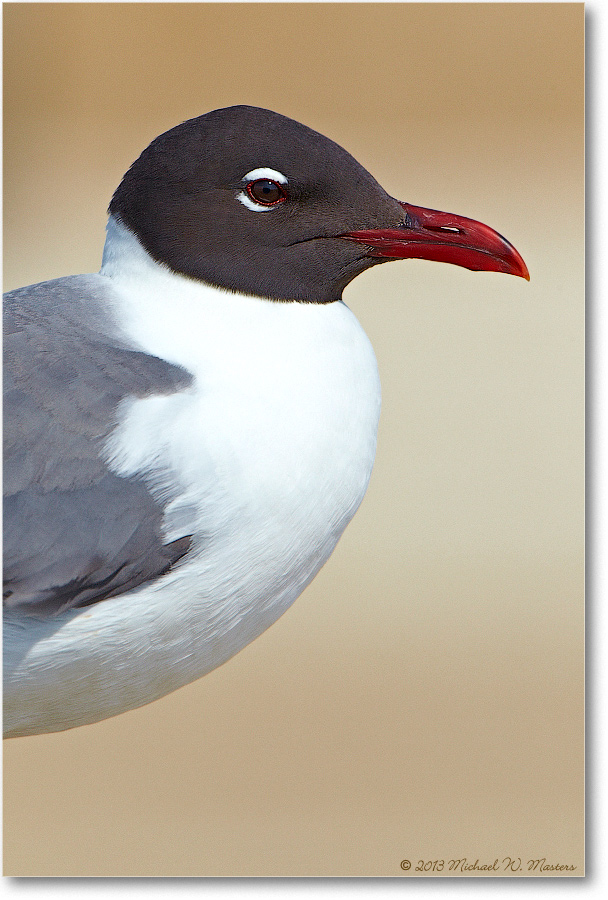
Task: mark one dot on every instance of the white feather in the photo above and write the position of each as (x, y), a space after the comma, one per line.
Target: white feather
(265, 458)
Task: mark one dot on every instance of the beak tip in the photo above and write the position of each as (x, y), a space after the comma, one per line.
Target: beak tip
(522, 268)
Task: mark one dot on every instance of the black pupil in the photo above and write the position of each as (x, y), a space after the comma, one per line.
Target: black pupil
(266, 191)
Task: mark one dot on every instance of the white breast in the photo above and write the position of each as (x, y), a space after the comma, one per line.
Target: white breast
(265, 460)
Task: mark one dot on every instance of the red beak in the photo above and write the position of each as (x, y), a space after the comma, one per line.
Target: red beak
(444, 237)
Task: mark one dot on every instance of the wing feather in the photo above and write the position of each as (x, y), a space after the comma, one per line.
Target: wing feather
(74, 532)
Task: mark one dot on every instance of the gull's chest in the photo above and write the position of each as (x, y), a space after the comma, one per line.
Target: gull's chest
(273, 444)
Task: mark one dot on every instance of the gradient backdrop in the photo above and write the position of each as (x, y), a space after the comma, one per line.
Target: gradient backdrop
(423, 699)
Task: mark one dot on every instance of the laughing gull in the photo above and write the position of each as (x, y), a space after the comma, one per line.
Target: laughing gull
(189, 432)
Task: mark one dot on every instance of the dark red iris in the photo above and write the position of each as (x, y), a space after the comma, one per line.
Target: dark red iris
(266, 192)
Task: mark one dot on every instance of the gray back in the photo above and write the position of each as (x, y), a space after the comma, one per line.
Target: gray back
(74, 532)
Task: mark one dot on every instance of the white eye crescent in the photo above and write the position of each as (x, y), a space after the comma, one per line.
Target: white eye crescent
(265, 189)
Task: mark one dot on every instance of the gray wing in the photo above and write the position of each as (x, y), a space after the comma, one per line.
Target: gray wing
(74, 532)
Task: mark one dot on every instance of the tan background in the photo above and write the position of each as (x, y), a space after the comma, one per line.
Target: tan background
(423, 698)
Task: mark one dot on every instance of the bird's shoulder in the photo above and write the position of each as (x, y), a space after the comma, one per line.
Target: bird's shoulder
(74, 531)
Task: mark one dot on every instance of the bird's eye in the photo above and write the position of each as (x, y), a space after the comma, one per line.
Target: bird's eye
(263, 189)
(266, 192)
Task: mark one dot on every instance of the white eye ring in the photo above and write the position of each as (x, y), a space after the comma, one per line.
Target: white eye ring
(263, 172)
